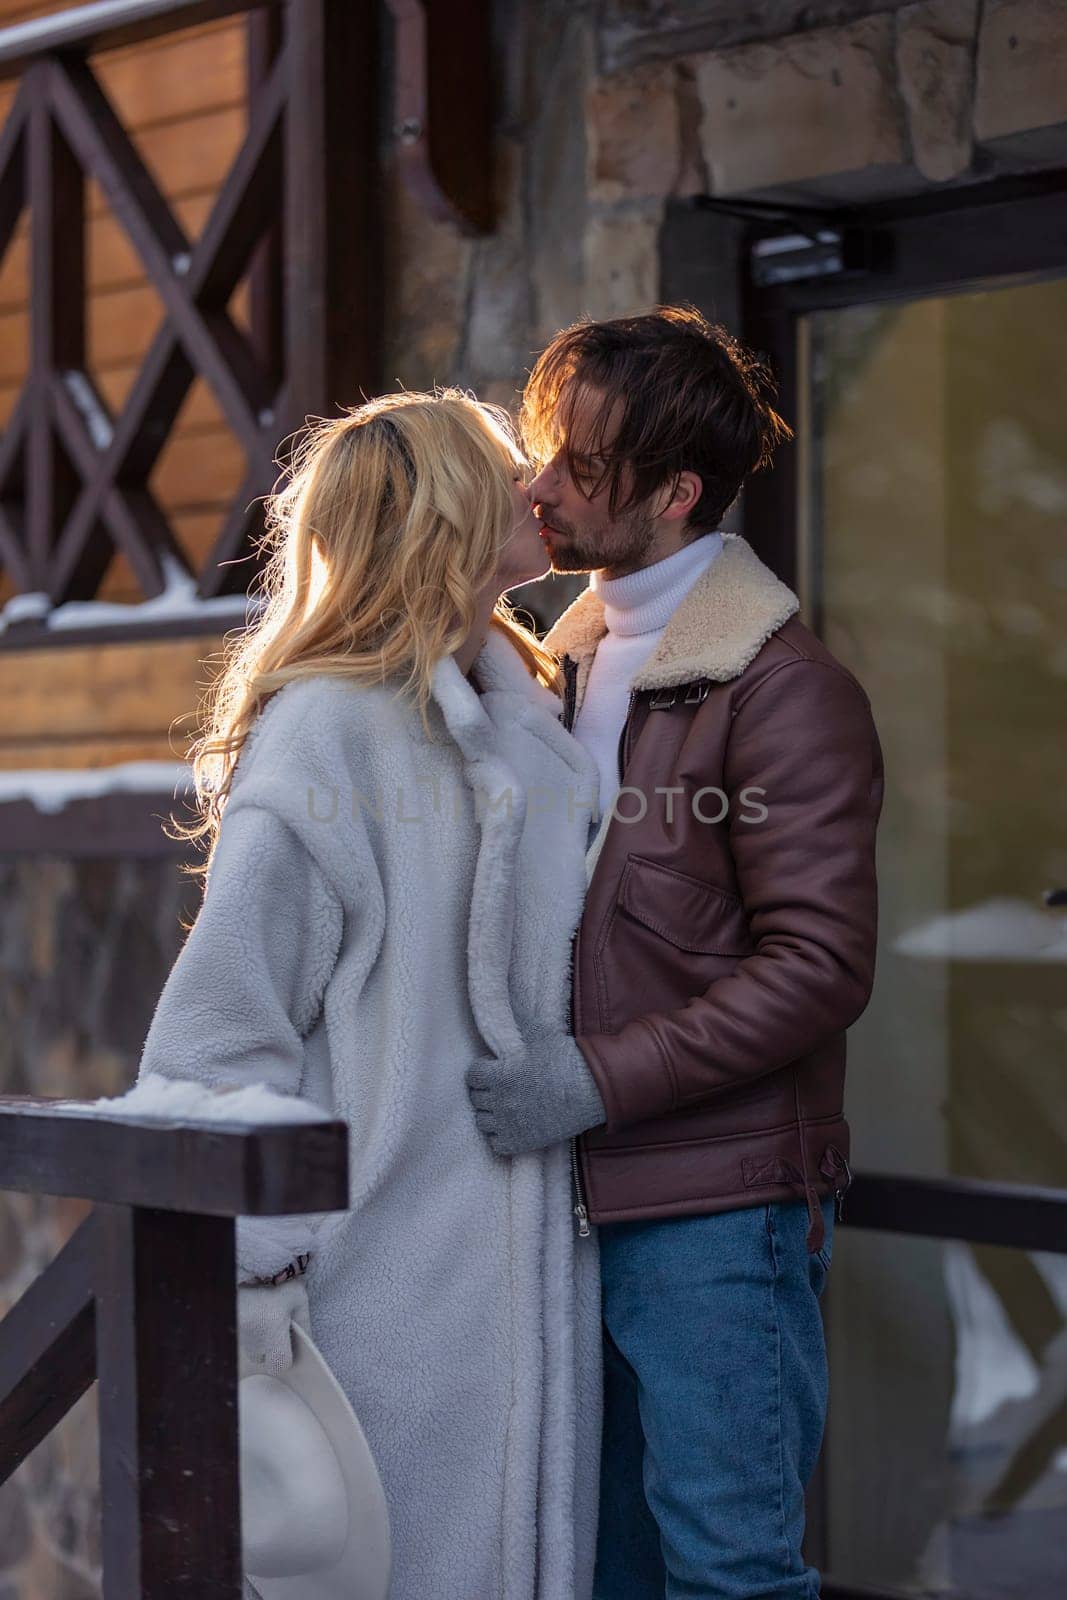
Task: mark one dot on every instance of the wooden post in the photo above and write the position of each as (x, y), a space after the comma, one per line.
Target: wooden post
(265, 275)
(333, 311)
(57, 327)
(144, 1293)
(166, 1359)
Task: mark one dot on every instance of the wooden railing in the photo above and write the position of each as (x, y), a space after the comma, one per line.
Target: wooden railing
(297, 215)
(142, 1299)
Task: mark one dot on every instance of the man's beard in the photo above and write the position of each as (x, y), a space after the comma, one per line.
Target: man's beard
(623, 544)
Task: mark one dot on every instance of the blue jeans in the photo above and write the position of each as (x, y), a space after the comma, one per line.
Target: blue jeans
(714, 1404)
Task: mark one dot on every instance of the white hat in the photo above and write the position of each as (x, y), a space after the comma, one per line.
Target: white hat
(314, 1521)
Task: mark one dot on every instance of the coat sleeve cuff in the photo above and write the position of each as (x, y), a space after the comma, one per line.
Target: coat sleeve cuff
(631, 1073)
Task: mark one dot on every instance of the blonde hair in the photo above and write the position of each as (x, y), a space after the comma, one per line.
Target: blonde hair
(387, 523)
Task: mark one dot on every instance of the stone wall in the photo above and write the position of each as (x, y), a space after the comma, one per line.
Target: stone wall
(612, 116)
(85, 948)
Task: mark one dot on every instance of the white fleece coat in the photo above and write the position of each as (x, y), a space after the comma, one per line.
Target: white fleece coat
(382, 909)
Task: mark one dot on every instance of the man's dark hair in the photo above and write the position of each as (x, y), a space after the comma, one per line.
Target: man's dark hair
(679, 395)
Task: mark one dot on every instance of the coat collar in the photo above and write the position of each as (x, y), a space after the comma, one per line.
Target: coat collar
(502, 679)
(507, 737)
(724, 620)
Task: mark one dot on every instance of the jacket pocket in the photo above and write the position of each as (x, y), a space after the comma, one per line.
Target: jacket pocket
(691, 915)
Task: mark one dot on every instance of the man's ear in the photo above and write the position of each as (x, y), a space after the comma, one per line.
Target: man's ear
(676, 504)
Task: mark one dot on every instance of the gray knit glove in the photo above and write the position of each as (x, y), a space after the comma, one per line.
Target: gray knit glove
(536, 1098)
(264, 1321)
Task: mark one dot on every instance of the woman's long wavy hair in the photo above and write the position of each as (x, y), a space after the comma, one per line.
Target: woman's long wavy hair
(386, 524)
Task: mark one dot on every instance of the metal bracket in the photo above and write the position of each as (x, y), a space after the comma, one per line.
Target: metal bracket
(796, 243)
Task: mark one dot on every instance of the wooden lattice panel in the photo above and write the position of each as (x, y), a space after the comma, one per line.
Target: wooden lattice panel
(151, 146)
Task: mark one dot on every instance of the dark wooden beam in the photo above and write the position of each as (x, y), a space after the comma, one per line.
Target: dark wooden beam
(57, 313)
(34, 633)
(1018, 1216)
(218, 1169)
(264, 36)
(47, 1349)
(769, 506)
(13, 552)
(126, 825)
(13, 167)
(333, 307)
(167, 1369)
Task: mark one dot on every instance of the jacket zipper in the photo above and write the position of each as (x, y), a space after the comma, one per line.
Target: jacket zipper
(621, 761)
(580, 1209)
(570, 688)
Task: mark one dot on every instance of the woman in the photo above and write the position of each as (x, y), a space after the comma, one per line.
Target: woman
(396, 871)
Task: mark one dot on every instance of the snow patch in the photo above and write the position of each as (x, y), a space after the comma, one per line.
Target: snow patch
(1001, 929)
(178, 602)
(34, 603)
(52, 788)
(181, 1100)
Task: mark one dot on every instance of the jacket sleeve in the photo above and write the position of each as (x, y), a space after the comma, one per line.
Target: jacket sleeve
(247, 988)
(806, 873)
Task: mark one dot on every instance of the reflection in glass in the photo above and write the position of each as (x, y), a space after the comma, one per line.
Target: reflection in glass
(936, 567)
(947, 1434)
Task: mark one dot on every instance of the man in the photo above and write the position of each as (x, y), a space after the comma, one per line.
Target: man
(727, 942)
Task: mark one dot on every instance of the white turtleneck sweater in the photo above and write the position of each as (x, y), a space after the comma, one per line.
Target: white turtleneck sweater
(637, 609)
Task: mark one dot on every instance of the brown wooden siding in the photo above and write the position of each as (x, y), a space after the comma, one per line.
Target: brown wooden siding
(94, 705)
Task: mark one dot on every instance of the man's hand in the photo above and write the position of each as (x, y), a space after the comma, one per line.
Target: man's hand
(524, 1102)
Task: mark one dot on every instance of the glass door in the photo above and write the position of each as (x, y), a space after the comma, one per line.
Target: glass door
(935, 555)
(930, 497)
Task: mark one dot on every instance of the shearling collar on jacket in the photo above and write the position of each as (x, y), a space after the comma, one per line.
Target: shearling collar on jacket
(727, 616)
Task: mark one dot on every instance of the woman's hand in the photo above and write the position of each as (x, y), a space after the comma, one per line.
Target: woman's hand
(536, 1098)
(264, 1318)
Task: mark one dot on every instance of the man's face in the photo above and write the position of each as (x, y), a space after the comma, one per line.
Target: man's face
(577, 528)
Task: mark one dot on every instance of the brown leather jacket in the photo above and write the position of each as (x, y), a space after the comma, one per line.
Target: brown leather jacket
(728, 937)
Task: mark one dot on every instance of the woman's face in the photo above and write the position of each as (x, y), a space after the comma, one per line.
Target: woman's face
(523, 557)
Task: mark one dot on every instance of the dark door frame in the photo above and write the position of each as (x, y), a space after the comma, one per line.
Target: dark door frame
(985, 236)
(1005, 231)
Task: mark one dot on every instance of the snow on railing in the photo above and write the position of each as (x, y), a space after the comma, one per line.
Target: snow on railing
(178, 602)
(50, 789)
